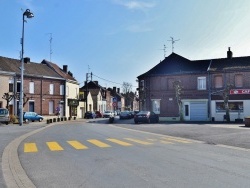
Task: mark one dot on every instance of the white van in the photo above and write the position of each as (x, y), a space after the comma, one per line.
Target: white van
(4, 116)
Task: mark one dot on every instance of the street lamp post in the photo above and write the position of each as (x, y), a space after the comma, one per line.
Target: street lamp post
(28, 14)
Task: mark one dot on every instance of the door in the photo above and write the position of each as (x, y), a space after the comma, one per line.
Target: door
(61, 110)
(186, 111)
(31, 106)
(51, 107)
(198, 111)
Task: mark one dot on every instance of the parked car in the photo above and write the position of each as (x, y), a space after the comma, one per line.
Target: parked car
(125, 115)
(89, 115)
(4, 116)
(98, 114)
(108, 114)
(146, 116)
(32, 116)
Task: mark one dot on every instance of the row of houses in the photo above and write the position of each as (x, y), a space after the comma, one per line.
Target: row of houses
(50, 90)
(206, 88)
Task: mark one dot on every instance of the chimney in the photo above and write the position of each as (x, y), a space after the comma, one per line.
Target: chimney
(229, 53)
(114, 89)
(96, 82)
(26, 60)
(65, 68)
(70, 73)
(118, 90)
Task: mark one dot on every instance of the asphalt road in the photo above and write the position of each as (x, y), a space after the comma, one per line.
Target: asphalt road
(97, 154)
(210, 134)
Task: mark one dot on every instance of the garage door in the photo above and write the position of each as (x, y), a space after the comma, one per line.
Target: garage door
(198, 111)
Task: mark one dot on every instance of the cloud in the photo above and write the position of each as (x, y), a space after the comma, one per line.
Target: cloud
(133, 4)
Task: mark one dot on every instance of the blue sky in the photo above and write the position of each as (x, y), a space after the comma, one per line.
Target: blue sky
(118, 40)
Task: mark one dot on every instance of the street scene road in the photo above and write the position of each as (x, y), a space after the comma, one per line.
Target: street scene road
(98, 154)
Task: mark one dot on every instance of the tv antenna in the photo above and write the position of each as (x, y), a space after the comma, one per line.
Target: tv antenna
(164, 50)
(173, 41)
(50, 46)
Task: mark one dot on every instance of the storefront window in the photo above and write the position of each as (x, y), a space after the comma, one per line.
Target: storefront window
(233, 107)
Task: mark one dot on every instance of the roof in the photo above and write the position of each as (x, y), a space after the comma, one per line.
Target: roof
(30, 68)
(176, 64)
(227, 64)
(56, 68)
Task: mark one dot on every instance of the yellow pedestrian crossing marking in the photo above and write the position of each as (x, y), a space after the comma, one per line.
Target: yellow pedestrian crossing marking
(54, 146)
(177, 140)
(98, 143)
(77, 145)
(139, 141)
(30, 147)
(119, 142)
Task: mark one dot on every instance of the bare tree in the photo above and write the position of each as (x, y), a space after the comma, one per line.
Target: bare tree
(8, 97)
(225, 96)
(127, 90)
(178, 91)
(126, 87)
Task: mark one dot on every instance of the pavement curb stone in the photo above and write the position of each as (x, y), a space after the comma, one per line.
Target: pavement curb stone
(13, 172)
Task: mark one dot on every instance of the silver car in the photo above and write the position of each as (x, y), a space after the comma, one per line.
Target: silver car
(4, 116)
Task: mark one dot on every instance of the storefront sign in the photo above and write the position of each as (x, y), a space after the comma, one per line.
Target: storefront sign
(73, 102)
(239, 91)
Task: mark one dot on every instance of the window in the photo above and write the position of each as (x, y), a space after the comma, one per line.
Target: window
(11, 87)
(233, 107)
(32, 87)
(156, 106)
(51, 89)
(238, 79)
(18, 86)
(218, 81)
(142, 85)
(61, 89)
(201, 83)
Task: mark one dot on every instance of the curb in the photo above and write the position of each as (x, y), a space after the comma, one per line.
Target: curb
(13, 172)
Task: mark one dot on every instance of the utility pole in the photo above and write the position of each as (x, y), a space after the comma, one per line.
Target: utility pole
(86, 89)
(173, 41)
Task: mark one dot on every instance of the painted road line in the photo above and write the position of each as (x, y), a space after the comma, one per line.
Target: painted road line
(119, 142)
(166, 142)
(98, 143)
(54, 146)
(177, 140)
(138, 141)
(30, 147)
(77, 145)
(152, 139)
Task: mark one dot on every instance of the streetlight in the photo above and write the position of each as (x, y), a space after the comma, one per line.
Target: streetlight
(28, 14)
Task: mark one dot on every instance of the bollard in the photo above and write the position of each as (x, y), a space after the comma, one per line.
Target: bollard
(111, 119)
(58, 119)
(65, 119)
(74, 118)
(48, 122)
(62, 118)
(69, 118)
(54, 119)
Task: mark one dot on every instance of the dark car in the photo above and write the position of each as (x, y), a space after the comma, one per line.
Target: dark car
(146, 116)
(125, 115)
(89, 115)
(98, 114)
(32, 116)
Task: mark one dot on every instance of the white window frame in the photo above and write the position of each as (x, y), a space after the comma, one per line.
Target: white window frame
(51, 89)
(201, 83)
(156, 106)
(32, 87)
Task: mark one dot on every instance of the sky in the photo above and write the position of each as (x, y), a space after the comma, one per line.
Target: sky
(118, 40)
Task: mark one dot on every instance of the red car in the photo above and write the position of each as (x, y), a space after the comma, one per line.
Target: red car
(98, 114)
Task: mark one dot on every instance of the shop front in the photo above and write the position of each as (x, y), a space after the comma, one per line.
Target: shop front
(73, 105)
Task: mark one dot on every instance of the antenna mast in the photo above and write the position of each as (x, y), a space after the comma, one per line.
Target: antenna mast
(173, 41)
(50, 46)
(164, 50)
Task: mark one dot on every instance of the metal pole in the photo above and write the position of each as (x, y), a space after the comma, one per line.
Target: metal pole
(21, 91)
